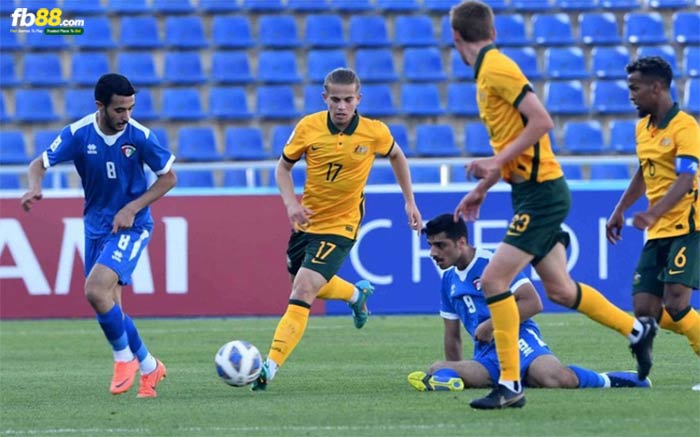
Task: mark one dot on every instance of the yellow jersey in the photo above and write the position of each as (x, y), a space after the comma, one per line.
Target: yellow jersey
(337, 166)
(677, 135)
(500, 87)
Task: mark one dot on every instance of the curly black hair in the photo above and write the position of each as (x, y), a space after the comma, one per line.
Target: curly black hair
(652, 67)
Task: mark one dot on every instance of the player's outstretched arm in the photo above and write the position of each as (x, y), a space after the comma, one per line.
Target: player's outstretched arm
(399, 164)
(36, 174)
(635, 189)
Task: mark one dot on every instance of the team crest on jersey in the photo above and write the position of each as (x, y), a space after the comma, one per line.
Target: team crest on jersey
(477, 283)
(128, 150)
(91, 149)
(361, 150)
(665, 141)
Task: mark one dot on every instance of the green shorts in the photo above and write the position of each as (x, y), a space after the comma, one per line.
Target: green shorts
(668, 260)
(322, 253)
(540, 209)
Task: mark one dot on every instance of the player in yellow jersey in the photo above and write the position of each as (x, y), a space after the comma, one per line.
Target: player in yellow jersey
(518, 128)
(668, 147)
(339, 146)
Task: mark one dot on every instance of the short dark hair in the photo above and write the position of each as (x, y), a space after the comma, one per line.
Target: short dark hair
(341, 76)
(446, 223)
(110, 84)
(473, 20)
(653, 67)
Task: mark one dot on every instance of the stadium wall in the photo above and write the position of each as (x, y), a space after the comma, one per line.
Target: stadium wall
(216, 255)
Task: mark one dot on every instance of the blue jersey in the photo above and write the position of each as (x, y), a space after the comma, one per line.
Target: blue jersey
(462, 298)
(111, 168)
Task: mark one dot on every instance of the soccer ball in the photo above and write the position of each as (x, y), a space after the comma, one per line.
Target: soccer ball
(238, 363)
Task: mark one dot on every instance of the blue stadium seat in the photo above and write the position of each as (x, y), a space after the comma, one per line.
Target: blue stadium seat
(670, 4)
(375, 65)
(43, 69)
(10, 181)
(423, 65)
(313, 101)
(140, 32)
(195, 179)
(181, 104)
(263, 5)
(218, 6)
(611, 97)
(4, 115)
(526, 58)
(197, 144)
(598, 28)
(414, 30)
(510, 30)
(401, 6)
(377, 100)
(276, 102)
(305, 6)
(97, 34)
(43, 138)
(609, 62)
(572, 172)
(8, 77)
(665, 52)
(476, 139)
(231, 67)
(436, 140)
(228, 103)
(691, 96)
(445, 32)
(321, 62)
(278, 67)
(8, 39)
(77, 8)
(324, 31)
(459, 70)
(162, 135)
(421, 100)
(565, 98)
(368, 31)
(144, 110)
(685, 27)
(139, 67)
(183, 68)
(87, 67)
(620, 5)
(622, 136)
(244, 144)
(425, 175)
(124, 7)
(12, 148)
(238, 177)
(496, 5)
(644, 28)
(55, 180)
(583, 137)
(530, 5)
(79, 103)
(381, 176)
(280, 135)
(461, 99)
(691, 61)
(185, 33)
(37, 41)
(458, 174)
(610, 171)
(439, 6)
(34, 106)
(565, 63)
(278, 31)
(400, 134)
(172, 6)
(552, 29)
(576, 5)
(351, 5)
(231, 32)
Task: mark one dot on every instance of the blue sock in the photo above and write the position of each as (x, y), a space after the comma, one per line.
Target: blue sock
(135, 344)
(112, 324)
(588, 378)
(446, 374)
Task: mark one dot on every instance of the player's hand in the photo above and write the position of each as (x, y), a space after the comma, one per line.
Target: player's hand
(613, 227)
(643, 220)
(484, 332)
(482, 168)
(299, 216)
(470, 205)
(124, 219)
(415, 221)
(30, 197)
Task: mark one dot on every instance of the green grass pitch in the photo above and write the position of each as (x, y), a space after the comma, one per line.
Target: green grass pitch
(54, 378)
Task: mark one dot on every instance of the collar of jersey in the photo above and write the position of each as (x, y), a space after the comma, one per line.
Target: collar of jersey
(667, 118)
(348, 130)
(480, 58)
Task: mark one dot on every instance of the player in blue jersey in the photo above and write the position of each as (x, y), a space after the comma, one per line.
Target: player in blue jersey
(109, 150)
(462, 301)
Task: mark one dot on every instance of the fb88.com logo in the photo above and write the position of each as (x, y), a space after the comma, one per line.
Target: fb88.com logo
(22, 18)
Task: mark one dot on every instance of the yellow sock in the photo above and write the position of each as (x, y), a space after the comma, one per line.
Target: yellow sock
(337, 289)
(594, 305)
(506, 328)
(289, 331)
(688, 325)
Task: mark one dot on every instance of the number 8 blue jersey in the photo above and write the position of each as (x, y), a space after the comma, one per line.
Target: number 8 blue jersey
(111, 168)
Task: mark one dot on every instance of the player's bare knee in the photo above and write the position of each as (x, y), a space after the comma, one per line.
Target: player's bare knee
(561, 293)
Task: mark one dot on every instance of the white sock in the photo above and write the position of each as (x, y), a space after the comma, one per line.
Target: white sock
(513, 386)
(148, 364)
(124, 355)
(606, 379)
(272, 368)
(637, 331)
(355, 296)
